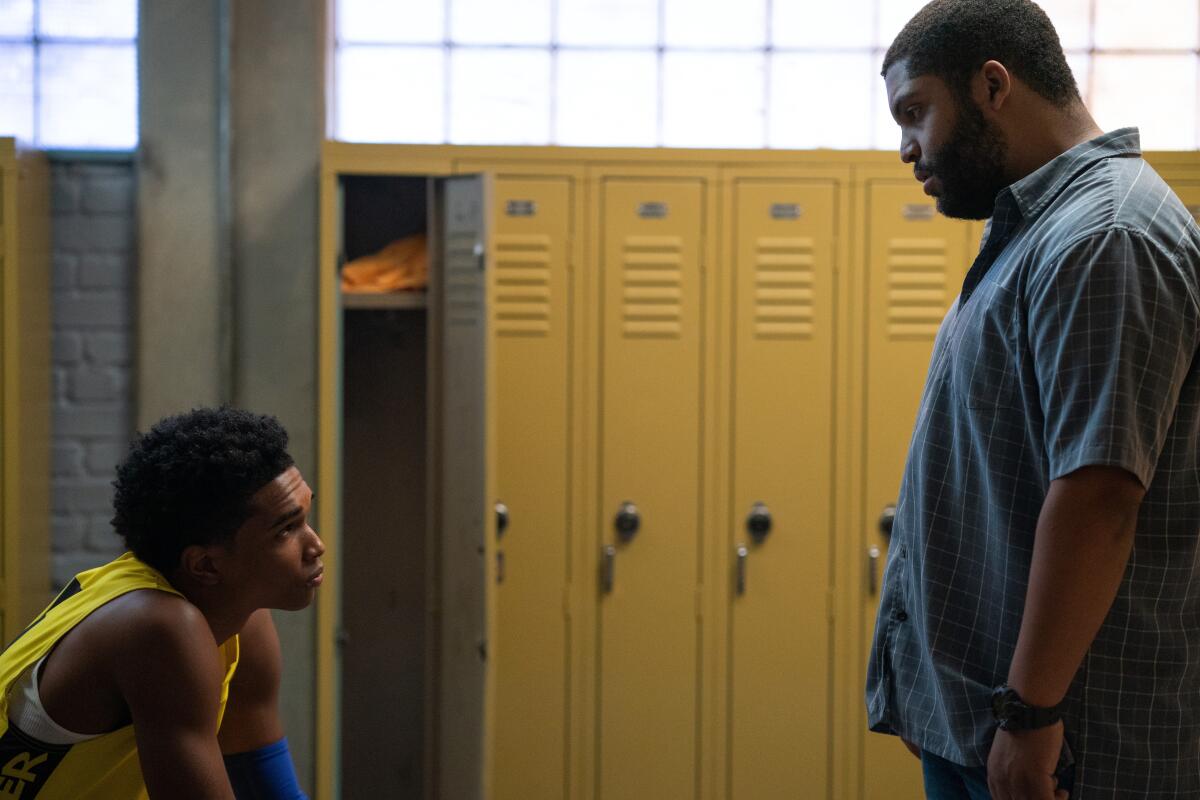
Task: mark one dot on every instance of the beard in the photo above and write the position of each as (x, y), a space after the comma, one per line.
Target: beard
(970, 166)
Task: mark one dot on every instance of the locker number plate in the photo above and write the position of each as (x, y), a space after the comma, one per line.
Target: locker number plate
(918, 212)
(521, 208)
(652, 210)
(786, 211)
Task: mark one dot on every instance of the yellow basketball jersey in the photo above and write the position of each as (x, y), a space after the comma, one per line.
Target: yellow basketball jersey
(104, 768)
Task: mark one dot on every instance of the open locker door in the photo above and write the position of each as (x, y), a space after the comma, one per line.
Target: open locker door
(463, 527)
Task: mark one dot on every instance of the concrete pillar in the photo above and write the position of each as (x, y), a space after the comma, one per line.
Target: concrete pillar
(183, 279)
(232, 116)
(278, 115)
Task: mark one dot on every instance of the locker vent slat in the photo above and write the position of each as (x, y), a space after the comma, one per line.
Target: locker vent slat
(652, 290)
(463, 280)
(784, 287)
(916, 290)
(522, 291)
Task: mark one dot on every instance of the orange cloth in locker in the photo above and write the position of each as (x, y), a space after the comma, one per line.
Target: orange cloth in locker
(403, 264)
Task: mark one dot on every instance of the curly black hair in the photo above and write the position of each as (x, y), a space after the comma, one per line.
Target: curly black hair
(189, 480)
(952, 39)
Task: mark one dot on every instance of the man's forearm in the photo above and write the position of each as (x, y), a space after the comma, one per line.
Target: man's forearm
(1084, 537)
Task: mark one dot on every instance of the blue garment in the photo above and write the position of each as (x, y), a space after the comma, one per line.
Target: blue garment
(264, 774)
(945, 780)
(1073, 343)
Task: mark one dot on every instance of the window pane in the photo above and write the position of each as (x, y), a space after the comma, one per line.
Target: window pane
(499, 96)
(1073, 21)
(414, 21)
(16, 91)
(802, 23)
(1159, 25)
(1081, 68)
(715, 23)
(88, 19)
(1156, 93)
(885, 131)
(893, 16)
(16, 18)
(88, 96)
(820, 100)
(387, 94)
(613, 23)
(607, 98)
(491, 22)
(713, 100)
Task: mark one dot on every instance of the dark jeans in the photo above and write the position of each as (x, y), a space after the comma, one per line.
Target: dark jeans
(945, 780)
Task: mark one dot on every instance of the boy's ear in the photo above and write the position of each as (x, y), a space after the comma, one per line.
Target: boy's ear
(199, 563)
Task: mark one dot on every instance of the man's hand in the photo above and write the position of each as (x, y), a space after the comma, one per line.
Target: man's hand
(1022, 763)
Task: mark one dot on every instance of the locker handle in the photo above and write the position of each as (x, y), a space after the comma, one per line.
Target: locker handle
(608, 566)
(742, 554)
(873, 554)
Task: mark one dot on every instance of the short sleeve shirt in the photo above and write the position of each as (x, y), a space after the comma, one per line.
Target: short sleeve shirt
(1073, 343)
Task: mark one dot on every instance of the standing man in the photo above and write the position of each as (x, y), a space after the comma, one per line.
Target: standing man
(1039, 625)
(159, 672)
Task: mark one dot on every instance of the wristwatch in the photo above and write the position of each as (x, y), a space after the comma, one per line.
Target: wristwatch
(1014, 714)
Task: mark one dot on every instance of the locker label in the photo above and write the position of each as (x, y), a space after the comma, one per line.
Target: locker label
(918, 212)
(521, 208)
(652, 210)
(786, 211)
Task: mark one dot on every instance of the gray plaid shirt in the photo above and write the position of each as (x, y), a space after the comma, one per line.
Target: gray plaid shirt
(1073, 343)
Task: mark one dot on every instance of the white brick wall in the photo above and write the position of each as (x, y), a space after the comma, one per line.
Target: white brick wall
(94, 256)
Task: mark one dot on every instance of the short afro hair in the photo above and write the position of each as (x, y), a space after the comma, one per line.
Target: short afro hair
(952, 39)
(190, 479)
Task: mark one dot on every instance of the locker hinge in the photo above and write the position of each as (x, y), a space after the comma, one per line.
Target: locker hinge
(700, 604)
(566, 602)
(831, 604)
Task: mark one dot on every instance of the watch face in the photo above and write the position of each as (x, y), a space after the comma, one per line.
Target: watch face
(1006, 708)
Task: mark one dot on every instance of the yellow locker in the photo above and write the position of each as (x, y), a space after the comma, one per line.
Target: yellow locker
(915, 263)
(1188, 190)
(780, 641)
(651, 457)
(533, 225)
(24, 388)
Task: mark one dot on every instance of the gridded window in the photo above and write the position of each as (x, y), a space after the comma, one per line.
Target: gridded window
(68, 73)
(703, 73)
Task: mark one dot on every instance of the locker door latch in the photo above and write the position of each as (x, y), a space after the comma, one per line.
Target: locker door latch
(501, 519)
(608, 565)
(873, 554)
(742, 554)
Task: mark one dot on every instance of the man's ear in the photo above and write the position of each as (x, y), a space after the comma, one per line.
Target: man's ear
(199, 563)
(992, 85)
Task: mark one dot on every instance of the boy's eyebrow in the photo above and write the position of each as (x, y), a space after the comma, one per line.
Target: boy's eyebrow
(286, 516)
(900, 101)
